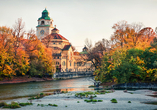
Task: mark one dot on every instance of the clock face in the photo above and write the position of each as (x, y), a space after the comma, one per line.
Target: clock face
(42, 32)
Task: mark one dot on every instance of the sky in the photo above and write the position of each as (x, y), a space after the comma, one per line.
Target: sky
(80, 19)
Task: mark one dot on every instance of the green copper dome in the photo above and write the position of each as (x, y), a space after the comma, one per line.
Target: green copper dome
(45, 15)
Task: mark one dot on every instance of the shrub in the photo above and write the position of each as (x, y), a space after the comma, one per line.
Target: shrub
(100, 100)
(114, 101)
(91, 100)
(42, 105)
(2, 104)
(16, 105)
(41, 94)
(78, 102)
(31, 98)
(7, 106)
(53, 105)
(129, 101)
(24, 104)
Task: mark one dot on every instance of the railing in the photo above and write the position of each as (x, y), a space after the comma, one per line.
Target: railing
(72, 74)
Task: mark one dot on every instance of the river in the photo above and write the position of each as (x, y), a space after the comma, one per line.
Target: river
(12, 91)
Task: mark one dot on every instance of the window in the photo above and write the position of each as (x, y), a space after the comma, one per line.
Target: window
(54, 43)
(42, 22)
(70, 63)
(57, 63)
(79, 63)
(63, 63)
(57, 57)
(59, 43)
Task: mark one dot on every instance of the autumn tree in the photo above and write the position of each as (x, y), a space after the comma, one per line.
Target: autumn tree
(96, 53)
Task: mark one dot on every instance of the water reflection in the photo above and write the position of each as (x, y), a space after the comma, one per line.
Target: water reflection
(27, 89)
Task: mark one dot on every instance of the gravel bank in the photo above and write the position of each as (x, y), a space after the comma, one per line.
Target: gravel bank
(69, 100)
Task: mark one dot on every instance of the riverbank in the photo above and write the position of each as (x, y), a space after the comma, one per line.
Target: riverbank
(24, 79)
(69, 101)
(139, 85)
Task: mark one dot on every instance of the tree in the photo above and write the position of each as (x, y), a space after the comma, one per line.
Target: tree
(18, 33)
(96, 53)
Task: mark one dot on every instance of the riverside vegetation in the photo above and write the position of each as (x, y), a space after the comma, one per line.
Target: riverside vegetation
(130, 56)
(20, 56)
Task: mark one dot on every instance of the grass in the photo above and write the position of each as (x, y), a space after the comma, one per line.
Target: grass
(13, 105)
(103, 91)
(53, 105)
(129, 101)
(24, 104)
(41, 95)
(85, 94)
(3, 104)
(100, 100)
(114, 101)
(64, 91)
(91, 100)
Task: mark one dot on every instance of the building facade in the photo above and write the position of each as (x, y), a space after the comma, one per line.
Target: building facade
(66, 59)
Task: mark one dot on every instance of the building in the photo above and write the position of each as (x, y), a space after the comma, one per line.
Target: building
(65, 57)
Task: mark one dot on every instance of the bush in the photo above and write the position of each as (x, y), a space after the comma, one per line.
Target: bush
(31, 98)
(41, 94)
(24, 104)
(100, 100)
(7, 106)
(114, 101)
(78, 102)
(53, 105)
(129, 101)
(3, 104)
(91, 100)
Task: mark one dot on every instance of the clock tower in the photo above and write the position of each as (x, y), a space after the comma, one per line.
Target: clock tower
(44, 25)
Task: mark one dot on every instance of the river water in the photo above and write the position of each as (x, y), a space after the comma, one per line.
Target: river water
(11, 91)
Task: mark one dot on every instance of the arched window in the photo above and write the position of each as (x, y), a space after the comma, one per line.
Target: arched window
(42, 22)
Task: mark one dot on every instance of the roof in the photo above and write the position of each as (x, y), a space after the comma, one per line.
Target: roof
(54, 36)
(45, 15)
(76, 53)
(85, 47)
(55, 29)
(66, 47)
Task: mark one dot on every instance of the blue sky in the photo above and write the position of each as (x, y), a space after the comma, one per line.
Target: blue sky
(80, 19)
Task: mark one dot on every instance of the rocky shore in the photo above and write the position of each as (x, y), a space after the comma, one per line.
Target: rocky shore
(125, 101)
(142, 85)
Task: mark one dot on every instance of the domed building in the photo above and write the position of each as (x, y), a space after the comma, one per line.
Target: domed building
(63, 52)
(44, 25)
